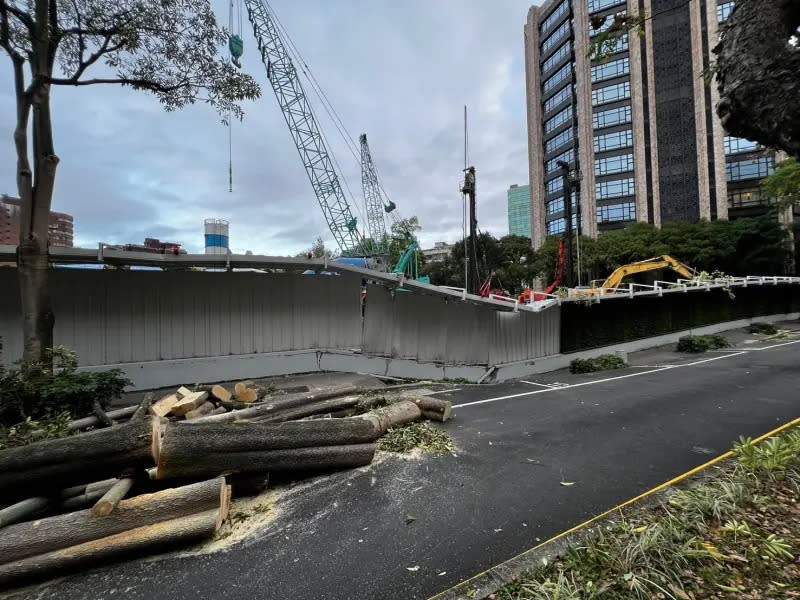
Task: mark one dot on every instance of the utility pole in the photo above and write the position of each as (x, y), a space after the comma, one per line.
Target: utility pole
(468, 189)
(569, 271)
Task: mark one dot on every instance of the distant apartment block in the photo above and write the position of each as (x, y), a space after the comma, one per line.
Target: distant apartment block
(639, 125)
(60, 227)
(152, 246)
(438, 253)
(519, 210)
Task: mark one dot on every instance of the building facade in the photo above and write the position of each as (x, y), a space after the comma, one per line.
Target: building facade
(439, 252)
(519, 210)
(639, 124)
(60, 226)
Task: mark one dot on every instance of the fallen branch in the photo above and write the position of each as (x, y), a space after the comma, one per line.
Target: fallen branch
(121, 413)
(112, 497)
(434, 409)
(20, 510)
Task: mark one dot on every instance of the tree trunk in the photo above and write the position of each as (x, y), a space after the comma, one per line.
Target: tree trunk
(62, 531)
(20, 510)
(54, 464)
(313, 408)
(395, 414)
(434, 409)
(135, 542)
(758, 73)
(289, 459)
(275, 405)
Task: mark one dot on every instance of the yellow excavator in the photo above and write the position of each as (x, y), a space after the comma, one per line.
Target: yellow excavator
(613, 281)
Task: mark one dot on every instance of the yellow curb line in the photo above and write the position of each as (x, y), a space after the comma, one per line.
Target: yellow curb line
(673, 481)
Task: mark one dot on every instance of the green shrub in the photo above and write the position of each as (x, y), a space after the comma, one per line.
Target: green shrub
(765, 328)
(701, 343)
(37, 392)
(30, 431)
(606, 362)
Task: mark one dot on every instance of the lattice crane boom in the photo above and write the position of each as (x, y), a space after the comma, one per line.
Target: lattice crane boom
(303, 127)
(376, 225)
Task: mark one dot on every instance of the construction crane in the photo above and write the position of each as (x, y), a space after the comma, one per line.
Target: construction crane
(373, 200)
(613, 281)
(303, 127)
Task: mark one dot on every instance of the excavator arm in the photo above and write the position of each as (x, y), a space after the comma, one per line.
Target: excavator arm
(651, 264)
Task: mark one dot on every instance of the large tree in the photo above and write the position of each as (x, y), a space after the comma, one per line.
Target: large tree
(758, 73)
(167, 47)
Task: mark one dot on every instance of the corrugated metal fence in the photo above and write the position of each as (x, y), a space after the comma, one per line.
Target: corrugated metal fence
(432, 329)
(111, 317)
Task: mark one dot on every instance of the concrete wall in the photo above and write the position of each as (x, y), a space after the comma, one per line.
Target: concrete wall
(111, 317)
(429, 329)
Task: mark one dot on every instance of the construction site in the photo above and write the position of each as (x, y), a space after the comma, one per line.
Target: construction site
(337, 426)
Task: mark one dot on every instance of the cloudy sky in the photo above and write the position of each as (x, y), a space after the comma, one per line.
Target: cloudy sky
(399, 71)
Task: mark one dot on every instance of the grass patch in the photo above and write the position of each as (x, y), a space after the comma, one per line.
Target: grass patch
(701, 343)
(605, 362)
(765, 328)
(422, 435)
(736, 537)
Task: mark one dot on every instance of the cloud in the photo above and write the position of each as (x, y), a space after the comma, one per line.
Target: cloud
(399, 71)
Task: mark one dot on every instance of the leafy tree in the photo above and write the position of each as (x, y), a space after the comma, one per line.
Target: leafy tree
(403, 232)
(784, 183)
(166, 47)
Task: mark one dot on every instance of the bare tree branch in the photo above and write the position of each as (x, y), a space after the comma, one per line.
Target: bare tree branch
(105, 48)
(20, 14)
(146, 84)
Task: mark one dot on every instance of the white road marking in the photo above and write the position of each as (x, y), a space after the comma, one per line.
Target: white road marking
(585, 383)
(775, 345)
(653, 366)
(536, 383)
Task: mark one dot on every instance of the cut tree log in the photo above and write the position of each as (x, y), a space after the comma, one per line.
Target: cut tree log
(79, 490)
(20, 510)
(119, 414)
(188, 403)
(183, 392)
(82, 501)
(218, 411)
(45, 535)
(144, 407)
(242, 386)
(306, 410)
(289, 459)
(220, 393)
(434, 409)
(272, 406)
(164, 406)
(246, 395)
(150, 538)
(180, 440)
(395, 414)
(112, 497)
(204, 409)
(39, 468)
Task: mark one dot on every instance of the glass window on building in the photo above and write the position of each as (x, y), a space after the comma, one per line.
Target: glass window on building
(607, 24)
(554, 185)
(611, 93)
(556, 78)
(555, 37)
(609, 118)
(597, 5)
(559, 55)
(613, 164)
(614, 68)
(612, 141)
(614, 189)
(556, 226)
(735, 145)
(611, 213)
(562, 138)
(557, 205)
(745, 198)
(724, 11)
(557, 121)
(750, 169)
(554, 17)
(552, 165)
(557, 98)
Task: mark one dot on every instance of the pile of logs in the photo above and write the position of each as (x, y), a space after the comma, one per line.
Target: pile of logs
(116, 490)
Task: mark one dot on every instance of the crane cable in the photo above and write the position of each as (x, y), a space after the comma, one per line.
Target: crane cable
(235, 50)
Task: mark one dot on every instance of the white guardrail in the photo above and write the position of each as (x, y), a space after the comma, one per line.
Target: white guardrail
(632, 290)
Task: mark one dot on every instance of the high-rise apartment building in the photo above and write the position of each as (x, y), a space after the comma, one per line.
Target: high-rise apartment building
(638, 124)
(519, 210)
(59, 228)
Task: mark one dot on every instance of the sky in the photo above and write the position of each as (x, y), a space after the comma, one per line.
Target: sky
(399, 71)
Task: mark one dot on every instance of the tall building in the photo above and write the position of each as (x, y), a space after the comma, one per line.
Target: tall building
(519, 210)
(639, 125)
(59, 228)
(439, 252)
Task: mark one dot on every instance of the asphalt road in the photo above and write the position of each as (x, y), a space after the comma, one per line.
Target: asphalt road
(347, 536)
